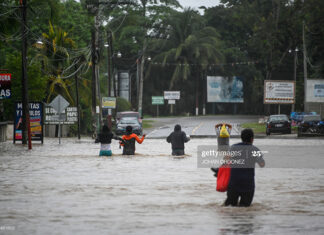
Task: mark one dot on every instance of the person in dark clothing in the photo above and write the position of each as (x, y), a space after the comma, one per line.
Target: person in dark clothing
(241, 184)
(129, 141)
(177, 139)
(105, 138)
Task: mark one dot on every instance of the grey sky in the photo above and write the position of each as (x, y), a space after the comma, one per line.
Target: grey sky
(197, 3)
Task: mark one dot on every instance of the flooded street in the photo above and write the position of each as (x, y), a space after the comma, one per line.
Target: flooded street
(67, 188)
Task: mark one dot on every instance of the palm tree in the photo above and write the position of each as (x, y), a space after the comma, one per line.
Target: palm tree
(55, 57)
(191, 48)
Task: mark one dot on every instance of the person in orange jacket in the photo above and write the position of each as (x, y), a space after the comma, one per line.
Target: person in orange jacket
(129, 141)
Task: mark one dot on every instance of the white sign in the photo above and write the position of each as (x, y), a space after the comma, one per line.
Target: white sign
(171, 101)
(315, 90)
(279, 92)
(172, 95)
(59, 103)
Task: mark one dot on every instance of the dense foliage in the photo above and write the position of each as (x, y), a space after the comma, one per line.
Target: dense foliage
(246, 38)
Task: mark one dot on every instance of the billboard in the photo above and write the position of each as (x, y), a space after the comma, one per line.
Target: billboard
(315, 90)
(5, 86)
(279, 92)
(224, 89)
(36, 121)
(108, 102)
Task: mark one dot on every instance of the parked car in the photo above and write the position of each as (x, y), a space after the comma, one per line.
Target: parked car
(278, 123)
(120, 115)
(129, 121)
(311, 124)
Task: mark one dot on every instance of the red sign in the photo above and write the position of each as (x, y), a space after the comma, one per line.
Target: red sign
(5, 86)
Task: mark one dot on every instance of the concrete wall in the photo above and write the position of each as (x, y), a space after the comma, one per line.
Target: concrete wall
(3, 131)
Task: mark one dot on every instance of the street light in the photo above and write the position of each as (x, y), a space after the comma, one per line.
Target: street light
(295, 74)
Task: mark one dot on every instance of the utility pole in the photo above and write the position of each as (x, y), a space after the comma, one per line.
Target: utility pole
(93, 85)
(305, 68)
(77, 99)
(109, 44)
(24, 81)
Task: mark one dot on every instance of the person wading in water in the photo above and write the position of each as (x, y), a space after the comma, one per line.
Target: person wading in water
(129, 141)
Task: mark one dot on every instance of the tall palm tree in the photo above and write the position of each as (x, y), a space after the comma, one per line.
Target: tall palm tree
(191, 48)
(55, 57)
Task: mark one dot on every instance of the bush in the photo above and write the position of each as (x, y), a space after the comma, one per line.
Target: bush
(123, 105)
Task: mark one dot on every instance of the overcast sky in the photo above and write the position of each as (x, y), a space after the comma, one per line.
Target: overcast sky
(197, 3)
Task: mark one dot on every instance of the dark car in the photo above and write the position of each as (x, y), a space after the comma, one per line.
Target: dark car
(278, 123)
(129, 121)
(125, 114)
(310, 123)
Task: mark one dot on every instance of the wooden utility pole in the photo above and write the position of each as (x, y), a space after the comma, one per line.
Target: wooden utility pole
(77, 99)
(305, 68)
(24, 81)
(93, 85)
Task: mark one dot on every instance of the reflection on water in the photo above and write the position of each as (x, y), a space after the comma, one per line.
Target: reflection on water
(60, 189)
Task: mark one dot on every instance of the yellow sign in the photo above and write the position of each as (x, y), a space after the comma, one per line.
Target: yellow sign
(109, 102)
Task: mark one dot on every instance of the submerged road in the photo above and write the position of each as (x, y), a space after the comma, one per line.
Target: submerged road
(197, 126)
(68, 189)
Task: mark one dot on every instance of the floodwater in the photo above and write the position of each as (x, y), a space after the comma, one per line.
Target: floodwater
(67, 188)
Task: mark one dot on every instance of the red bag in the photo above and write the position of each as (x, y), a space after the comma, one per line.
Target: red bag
(223, 176)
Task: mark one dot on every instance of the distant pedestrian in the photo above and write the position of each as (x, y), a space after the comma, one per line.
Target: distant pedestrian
(241, 184)
(104, 138)
(128, 141)
(177, 139)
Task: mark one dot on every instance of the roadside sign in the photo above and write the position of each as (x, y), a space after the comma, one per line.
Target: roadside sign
(109, 102)
(157, 100)
(36, 121)
(172, 95)
(67, 117)
(59, 104)
(5, 86)
(171, 102)
(279, 92)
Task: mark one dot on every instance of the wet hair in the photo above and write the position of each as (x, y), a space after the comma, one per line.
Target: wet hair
(105, 129)
(129, 129)
(247, 135)
(177, 127)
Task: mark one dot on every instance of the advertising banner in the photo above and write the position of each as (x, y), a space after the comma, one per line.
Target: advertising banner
(36, 121)
(279, 92)
(315, 90)
(224, 89)
(109, 102)
(5, 86)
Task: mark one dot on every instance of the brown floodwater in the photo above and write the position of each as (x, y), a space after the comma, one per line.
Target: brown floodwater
(68, 188)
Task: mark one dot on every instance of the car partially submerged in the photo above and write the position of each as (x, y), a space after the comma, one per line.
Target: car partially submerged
(129, 121)
(279, 124)
(121, 115)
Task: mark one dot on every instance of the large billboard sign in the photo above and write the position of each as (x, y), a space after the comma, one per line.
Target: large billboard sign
(5, 86)
(36, 121)
(279, 92)
(315, 90)
(224, 89)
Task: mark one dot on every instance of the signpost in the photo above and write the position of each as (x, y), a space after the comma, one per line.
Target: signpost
(171, 95)
(36, 121)
(109, 103)
(157, 100)
(59, 104)
(5, 86)
(279, 92)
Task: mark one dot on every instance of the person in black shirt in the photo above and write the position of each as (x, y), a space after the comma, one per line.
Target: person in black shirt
(177, 139)
(105, 138)
(241, 184)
